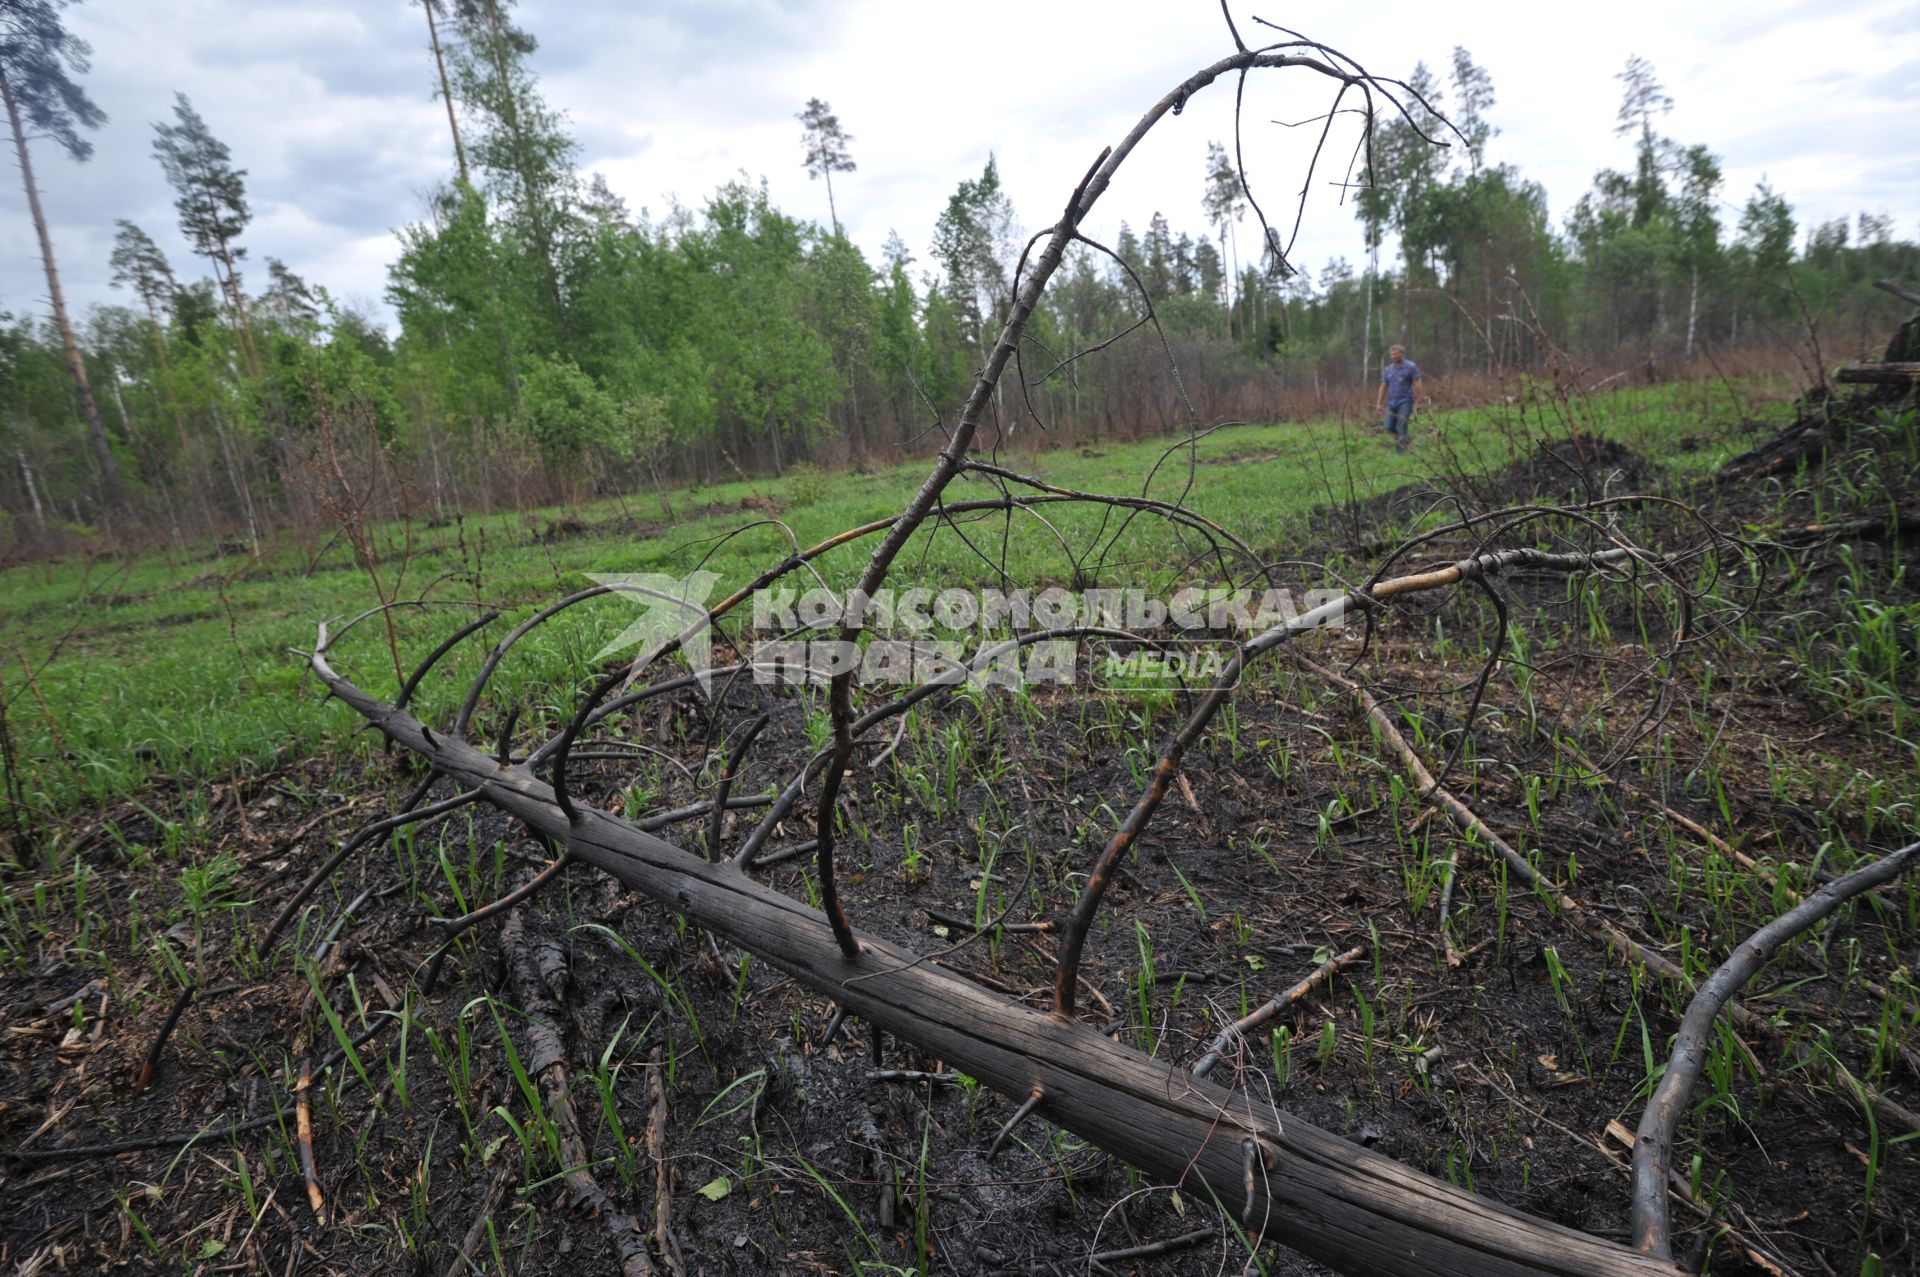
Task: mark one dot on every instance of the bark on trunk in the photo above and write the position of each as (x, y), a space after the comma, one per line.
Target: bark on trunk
(1898, 374)
(446, 92)
(243, 324)
(1354, 1210)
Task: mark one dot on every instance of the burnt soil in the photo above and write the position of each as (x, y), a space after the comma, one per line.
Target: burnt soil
(1287, 842)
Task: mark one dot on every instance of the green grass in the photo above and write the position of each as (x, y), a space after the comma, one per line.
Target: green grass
(115, 670)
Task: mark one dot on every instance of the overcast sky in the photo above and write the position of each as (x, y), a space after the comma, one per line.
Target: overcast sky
(329, 106)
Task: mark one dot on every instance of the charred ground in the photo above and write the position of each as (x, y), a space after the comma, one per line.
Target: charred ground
(1781, 735)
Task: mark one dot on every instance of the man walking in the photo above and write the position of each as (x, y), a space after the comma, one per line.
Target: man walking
(1399, 390)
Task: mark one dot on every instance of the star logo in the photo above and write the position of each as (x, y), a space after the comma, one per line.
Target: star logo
(672, 609)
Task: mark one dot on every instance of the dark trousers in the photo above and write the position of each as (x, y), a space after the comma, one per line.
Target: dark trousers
(1398, 415)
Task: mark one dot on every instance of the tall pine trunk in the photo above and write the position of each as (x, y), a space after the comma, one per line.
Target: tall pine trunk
(446, 92)
(243, 324)
(111, 495)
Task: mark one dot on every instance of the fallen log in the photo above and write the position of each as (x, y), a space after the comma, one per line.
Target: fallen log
(1896, 374)
(546, 1064)
(1353, 1210)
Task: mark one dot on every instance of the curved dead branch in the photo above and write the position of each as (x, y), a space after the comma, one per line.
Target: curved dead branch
(728, 771)
(1354, 1210)
(1073, 937)
(1351, 1208)
(1653, 1142)
(953, 458)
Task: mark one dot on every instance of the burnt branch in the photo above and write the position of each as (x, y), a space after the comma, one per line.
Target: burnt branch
(1352, 1208)
(1073, 938)
(1653, 1142)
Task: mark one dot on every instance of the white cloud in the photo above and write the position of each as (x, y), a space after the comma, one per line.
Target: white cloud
(330, 108)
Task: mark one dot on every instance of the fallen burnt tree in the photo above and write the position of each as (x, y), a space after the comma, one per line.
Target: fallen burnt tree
(1280, 1178)
(1276, 1177)
(1354, 1210)
(1825, 421)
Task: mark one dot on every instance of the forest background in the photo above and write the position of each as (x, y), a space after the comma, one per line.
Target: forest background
(548, 345)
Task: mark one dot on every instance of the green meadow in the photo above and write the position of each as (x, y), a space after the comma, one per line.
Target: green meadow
(186, 665)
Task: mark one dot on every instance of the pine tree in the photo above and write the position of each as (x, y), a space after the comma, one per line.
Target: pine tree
(139, 264)
(1156, 266)
(1473, 91)
(37, 55)
(1225, 203)
(1643, 99)
(520, 145)
(288, 299)
(1403, 174)
(212, 200)
(826, 148)
(973, 241)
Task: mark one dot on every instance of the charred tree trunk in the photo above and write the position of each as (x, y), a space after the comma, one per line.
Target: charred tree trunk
(1278, 1177)
(1352, 1209)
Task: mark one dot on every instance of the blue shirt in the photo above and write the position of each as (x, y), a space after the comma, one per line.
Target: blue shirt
(1399, 379)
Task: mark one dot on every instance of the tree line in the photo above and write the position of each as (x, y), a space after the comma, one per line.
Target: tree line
(551, 343)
